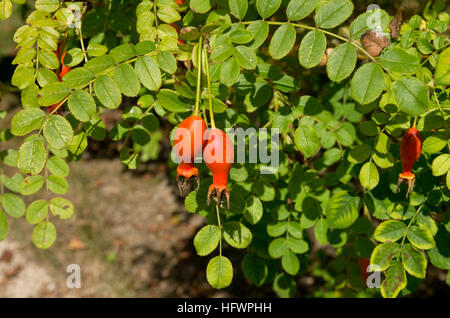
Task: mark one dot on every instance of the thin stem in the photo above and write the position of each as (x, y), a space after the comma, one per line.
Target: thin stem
(199, 75)
(303, 26)
(219, 224)
(410, 223)
(211, 113)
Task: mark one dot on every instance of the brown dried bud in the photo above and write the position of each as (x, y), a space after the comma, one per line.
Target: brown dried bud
(395, 24)
(374, 43)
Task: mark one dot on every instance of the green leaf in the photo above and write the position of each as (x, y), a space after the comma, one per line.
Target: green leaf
(13, 205)
(290, 262)
(236, 234)
(207, 239)
(46, 77)
(254, 210)
(37, 211)
(23, 76)
(78, 77)
(222, 48)
(414, 261)
(397, 60)
(127, 80)
(5, 13)
(360, 153)
(145, 47)
(82, 105)
(341, 62)
(245, 57)
(13, 183)
(44, 235)
(123, 52)
(167, 62)
(367, 83)
(107, 92)
(411, 96)
(4, 226)
(148, 72)
(333, 13)
(278, 247)
(260, 30)
(31, 157)
(219, 272)
(53, 93)
(168, 14)
(61, 207)
(395, 281)
(29, 97)
(442, 73)
(368, 176)
(383, 254)
(238, 8)
(420, 237)
(229, 72)
(31, 184)
(58, 131)
(298, 246)
(254, 269)
(266, 8)
(306, 140)
(342, 210)
(434, 143)
(57, 184)
(73, 57)
(101, 64)
(47, 5)
(282, 41)
(312, 49)
(298, 9)
(441, 164)
(295, 229)
(150, 122)
(48, 59)
(26, 121)
(200, 6)
(320, 231)
(58, 166)
(171, 101)
(382, 145)
(24, 55)
(241, 36)
(390, 230)
(284, 286)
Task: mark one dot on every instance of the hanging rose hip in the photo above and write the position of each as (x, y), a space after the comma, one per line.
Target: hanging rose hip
(188, 144)
(410, 151)
(219, 157)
